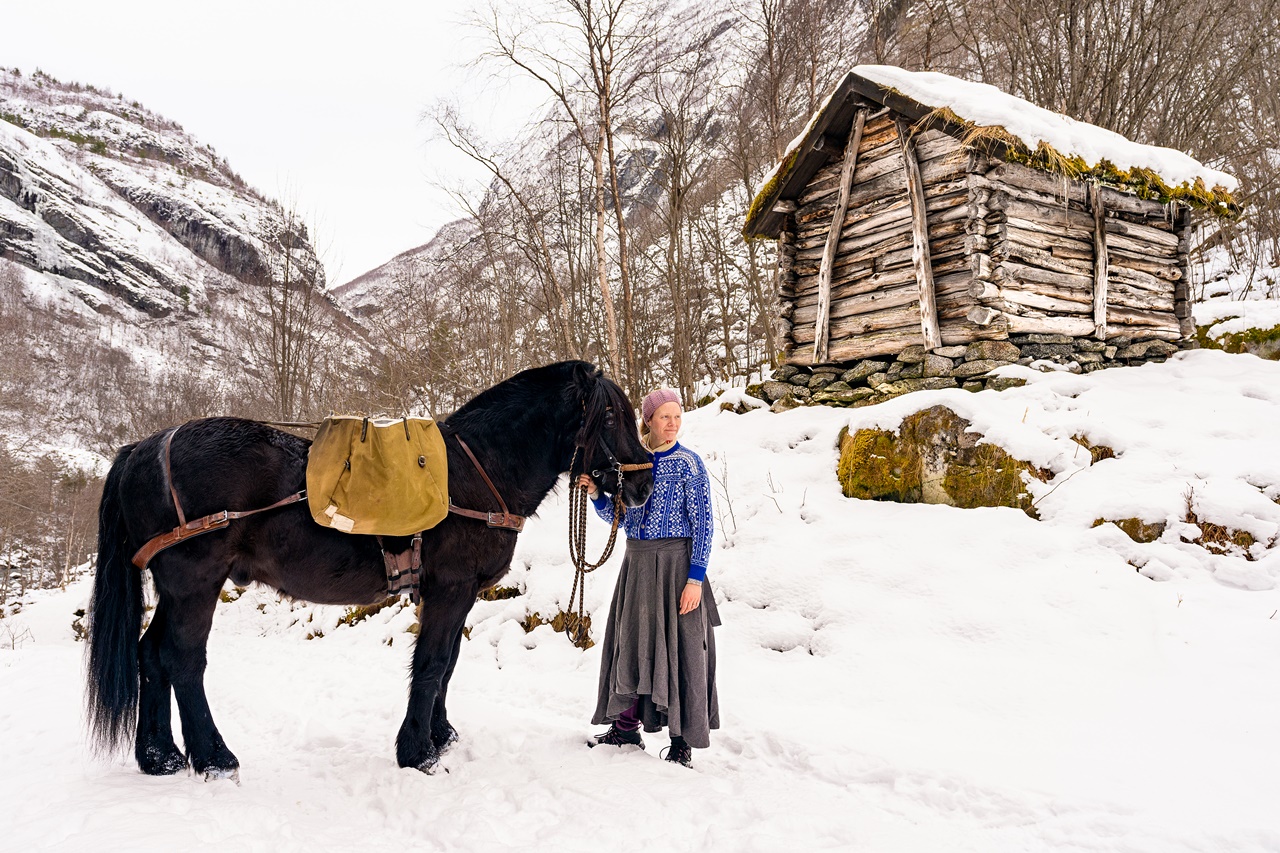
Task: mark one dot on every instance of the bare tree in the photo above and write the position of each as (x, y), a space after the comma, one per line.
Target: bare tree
(565, 69)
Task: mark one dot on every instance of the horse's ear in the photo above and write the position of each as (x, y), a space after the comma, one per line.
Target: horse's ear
(585, 375)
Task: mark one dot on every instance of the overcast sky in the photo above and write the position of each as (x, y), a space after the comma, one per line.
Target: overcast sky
(316, 102)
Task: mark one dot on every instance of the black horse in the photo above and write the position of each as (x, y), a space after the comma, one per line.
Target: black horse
(525, 431)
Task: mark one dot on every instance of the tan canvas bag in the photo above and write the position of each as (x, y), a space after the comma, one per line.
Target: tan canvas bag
(378, 475)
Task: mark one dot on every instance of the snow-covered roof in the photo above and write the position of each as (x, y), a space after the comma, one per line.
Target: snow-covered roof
(962, 106)
(986, 106)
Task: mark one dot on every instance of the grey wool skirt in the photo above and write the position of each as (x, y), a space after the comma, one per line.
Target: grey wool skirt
(652, 653)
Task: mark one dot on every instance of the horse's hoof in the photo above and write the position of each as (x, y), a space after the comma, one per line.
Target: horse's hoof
(444, 738)
(213, 774)
(161, 762)
(430, 763)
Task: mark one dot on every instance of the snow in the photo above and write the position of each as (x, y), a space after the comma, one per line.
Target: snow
(987, 106)
(893, 677)
(1232, 316)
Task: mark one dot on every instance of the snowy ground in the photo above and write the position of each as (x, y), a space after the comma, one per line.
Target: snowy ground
(893, 678)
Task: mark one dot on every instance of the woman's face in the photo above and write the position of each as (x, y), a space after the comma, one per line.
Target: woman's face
(665, 423)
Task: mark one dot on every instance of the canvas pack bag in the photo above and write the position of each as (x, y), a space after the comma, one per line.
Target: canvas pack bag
(378, 475)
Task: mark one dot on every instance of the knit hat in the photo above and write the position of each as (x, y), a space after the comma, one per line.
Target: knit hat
(655, 400)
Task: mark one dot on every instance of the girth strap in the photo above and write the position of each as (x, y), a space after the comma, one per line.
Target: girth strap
(506, 520)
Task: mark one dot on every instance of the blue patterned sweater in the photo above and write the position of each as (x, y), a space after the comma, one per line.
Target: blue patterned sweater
(679, 507)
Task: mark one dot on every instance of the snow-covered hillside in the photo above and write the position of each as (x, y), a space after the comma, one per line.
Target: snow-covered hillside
(893, 677)
(134, 270)
(711, 30)
(120, 208)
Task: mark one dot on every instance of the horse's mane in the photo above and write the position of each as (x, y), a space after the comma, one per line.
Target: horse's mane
(530, 393)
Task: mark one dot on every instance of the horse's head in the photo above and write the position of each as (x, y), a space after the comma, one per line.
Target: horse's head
(609, 448)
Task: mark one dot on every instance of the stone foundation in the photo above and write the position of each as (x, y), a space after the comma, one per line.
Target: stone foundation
(875, 380)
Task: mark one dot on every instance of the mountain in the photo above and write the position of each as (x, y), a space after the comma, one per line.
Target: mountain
(366, 295)
(709, 34)
(133, 257)
(121, 208)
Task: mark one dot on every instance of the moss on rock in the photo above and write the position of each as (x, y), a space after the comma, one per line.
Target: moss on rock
(1135, 528)
(874, 467)
(990, 477)
(1097, 452)
(1264, 343)
(932, 458)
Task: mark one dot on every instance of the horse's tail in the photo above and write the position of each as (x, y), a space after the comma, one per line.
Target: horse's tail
(111, 693)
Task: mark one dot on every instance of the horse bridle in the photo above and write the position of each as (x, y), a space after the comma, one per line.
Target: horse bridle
(615, 467)
(576, 628)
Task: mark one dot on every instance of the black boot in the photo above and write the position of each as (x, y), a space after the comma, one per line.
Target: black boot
(679, 752)
(617, 737)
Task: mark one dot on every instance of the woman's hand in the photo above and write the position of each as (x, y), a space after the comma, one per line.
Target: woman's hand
(690, 598)
(592, 491)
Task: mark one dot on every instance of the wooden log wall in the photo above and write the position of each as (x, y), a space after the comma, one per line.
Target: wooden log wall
(1041, 234)
(1011, 250)
(874, 288)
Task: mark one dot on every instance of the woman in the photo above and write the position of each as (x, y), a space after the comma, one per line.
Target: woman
(658, 663)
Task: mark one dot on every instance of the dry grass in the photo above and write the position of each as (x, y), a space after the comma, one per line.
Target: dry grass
(1217, 538)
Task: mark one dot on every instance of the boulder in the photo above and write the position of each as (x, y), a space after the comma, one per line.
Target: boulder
(785, 372)
(785, 404)
(774, 391)
(912, 354)
(1048, 351)
(1146, 349)
(933, 457)
(906, 386)
(937, 365)
(843, 396)
(862, 370)
(976, 368)
(992, 351)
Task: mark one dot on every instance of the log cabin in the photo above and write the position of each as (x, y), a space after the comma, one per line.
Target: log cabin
(920, 212)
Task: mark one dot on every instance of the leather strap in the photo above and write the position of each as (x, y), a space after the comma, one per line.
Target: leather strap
(504, 521)
(215, 521)
(187, 529)
(168, 476)
(404, 570)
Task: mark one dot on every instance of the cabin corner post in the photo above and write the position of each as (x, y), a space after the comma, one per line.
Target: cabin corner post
(822, 331)
(786, 277)
(1099, 262)
(1182, 285)
(919, 238)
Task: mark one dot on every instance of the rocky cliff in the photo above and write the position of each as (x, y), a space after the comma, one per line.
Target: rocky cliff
(140, 277)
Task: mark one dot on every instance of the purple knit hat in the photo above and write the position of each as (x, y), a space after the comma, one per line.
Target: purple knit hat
(654, 400)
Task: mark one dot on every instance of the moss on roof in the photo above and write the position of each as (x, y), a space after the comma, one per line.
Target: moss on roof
(997, 141)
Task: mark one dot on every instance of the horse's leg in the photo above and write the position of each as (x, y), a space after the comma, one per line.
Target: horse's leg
(182, 654)
(444, 609)
(154, 747)
(442, 733)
